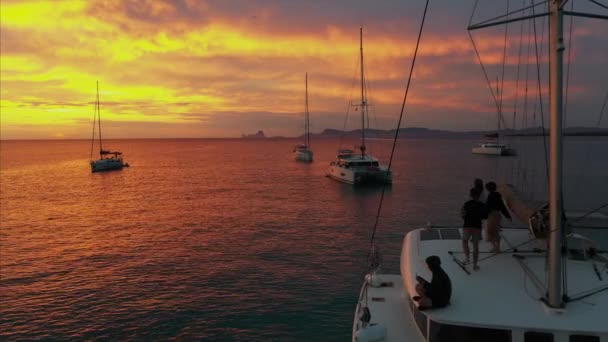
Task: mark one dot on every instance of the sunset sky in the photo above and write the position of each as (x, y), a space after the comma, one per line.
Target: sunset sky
(190, 68)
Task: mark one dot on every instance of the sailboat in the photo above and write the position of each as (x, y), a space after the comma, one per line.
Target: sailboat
(302, 152)
(494, 148)
(359, 168)
(548, 285)
(108, 160)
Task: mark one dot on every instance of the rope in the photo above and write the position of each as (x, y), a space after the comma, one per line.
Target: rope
(350, 96)
(540, 99)
(565, 120)
(502, 81)
(407, 88)
(599, 120)
(512, 167)
(589, 213)
(599, 4)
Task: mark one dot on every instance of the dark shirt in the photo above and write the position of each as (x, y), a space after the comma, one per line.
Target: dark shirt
(439, 290)
(495, 203)
(472, 212)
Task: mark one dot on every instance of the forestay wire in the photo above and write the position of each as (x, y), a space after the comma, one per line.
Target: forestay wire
(407, 88)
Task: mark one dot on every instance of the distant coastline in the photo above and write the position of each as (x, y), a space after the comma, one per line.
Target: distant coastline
(421, 132)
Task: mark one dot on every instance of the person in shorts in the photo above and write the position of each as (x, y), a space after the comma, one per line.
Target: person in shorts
(472, 212)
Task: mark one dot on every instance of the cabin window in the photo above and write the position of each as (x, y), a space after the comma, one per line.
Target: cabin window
(535, 336)
(429, 234)
(448, 332)
(450, 234)
(584, 338)
(375, 164)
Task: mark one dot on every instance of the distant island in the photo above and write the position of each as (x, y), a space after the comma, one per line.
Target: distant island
(258, 135)
(421, 132)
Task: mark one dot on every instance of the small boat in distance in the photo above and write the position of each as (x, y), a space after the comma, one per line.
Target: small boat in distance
(303, 152)
(358, 169)
(258, 135)
(108, 160)
(494, 149)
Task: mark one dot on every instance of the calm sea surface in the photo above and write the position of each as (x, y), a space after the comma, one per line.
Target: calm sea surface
(227, 240)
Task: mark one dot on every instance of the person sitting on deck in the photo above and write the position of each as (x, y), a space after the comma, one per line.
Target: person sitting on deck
(437, 292)
(472, 212)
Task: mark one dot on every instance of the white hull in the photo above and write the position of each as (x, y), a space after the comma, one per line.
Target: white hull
(107, 165)
(360, 176)
(305, 156)
(494, 151)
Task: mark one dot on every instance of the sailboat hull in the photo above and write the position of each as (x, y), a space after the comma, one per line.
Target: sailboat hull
(494, 151)
(360, 176)
(303, 155)
(108, 164)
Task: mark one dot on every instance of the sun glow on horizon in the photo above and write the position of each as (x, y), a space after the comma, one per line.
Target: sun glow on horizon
(199, 70)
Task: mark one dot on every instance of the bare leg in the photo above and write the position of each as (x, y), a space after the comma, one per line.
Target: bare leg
(475, 254)
(465, 247)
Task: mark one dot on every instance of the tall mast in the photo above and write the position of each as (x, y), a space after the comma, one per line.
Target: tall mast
(363, 103)
(556, 48)
(99, 119)
(499, 112)
(306, 124)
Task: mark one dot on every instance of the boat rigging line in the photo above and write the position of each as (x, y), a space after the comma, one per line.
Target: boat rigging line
(407, 88)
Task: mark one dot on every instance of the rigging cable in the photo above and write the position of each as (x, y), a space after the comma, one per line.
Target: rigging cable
(521, 38)
(565, 120)
(540, 98)
(93, 137)
(599, 120)
(349, 105)
(407, 88)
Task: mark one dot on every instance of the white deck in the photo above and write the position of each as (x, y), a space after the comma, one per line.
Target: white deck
(389, 306)
(500, 295)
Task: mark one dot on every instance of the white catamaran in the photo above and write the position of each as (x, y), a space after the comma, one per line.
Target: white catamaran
(108, 160)
(495, 147)
(548, 284)
(303, 152)
(354, 168)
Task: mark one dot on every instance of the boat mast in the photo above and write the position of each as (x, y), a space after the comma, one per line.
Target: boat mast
(307, 124)
(99, 120)
(363, 103)
(556, 48)
(499, 112)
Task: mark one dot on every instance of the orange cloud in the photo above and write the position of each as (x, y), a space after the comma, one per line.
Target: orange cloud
(171, 64)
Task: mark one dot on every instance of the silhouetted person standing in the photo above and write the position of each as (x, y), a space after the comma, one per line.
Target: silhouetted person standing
(495, 206)
(472, 213)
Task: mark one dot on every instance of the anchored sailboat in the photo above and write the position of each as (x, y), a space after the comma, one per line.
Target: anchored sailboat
(353, 168)
(108, 160)
(494, 147)
(303, 152)
(522, 293)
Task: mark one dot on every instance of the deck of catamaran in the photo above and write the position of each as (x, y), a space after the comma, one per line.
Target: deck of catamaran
(500, 302)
